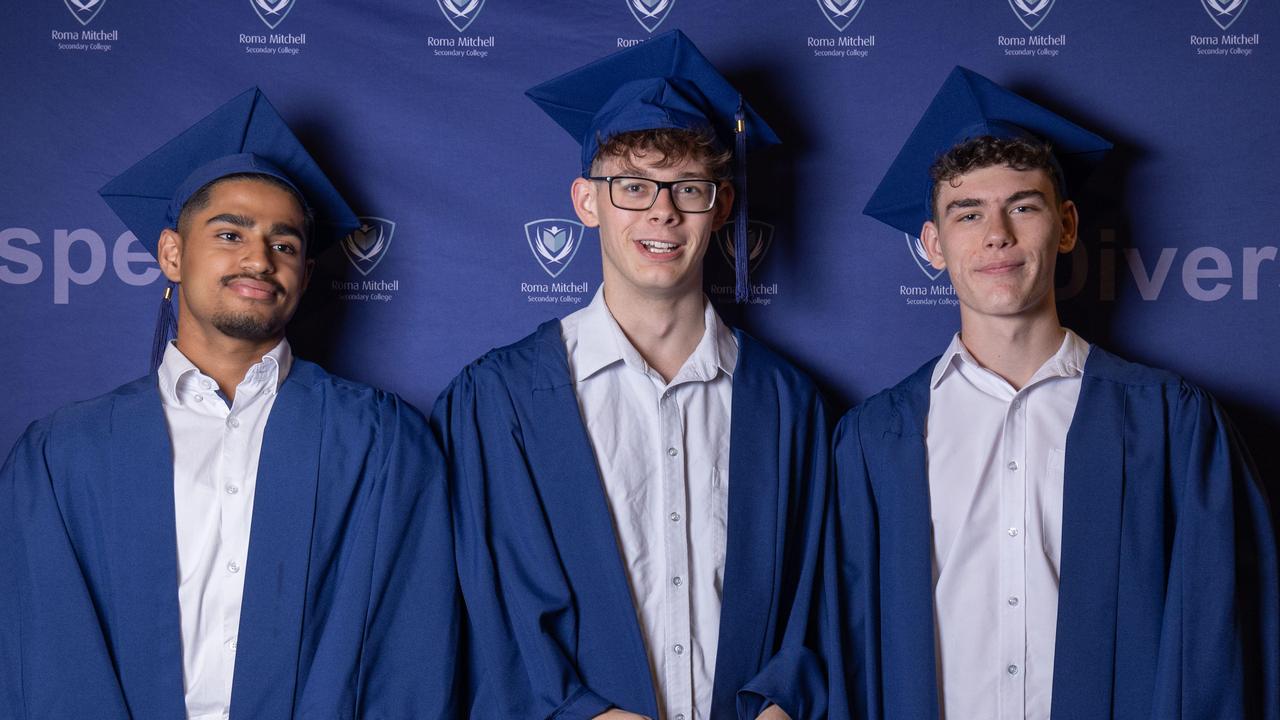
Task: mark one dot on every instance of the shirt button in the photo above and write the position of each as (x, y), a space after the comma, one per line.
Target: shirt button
(233, 567)
(233, 422)
(208, 385)
(232, 645)
(1013, 532)
(675, 517)
(1013, 601)
(678, 649)
(676, 581)
(671, 451)
(1012, 465)
(680, 716)
(232, 489)
(1013, 669)
(199, 398)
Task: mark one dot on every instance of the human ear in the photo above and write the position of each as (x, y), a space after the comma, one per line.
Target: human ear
(583, 193)
(932, 245)
(169, 254)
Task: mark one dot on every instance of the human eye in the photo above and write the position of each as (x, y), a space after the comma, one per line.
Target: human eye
(227, 235)
(692, 190)
(634, 187)
(285, 248)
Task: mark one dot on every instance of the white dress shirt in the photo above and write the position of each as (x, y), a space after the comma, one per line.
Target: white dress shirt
(663, 454)
(215, 471)
(995, 459)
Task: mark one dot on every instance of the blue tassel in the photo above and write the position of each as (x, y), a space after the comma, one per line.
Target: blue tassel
(741, 253)
(166, 328)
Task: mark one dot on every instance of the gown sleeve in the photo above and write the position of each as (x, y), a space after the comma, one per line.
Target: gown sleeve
(1219, 653)
(795, 678)
(52, 642)
(517, 596)
(852, 580)
(414, 661)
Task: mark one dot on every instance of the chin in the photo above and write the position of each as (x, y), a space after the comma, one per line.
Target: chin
(247, 326)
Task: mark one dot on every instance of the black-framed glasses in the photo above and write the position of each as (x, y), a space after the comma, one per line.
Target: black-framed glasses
(637, 193)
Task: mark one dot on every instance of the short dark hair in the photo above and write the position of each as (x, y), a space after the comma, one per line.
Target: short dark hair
(1019, 153)
(200, 200)
(674, 145)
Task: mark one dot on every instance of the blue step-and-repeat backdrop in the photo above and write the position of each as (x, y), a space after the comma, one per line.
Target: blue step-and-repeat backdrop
(417, 110)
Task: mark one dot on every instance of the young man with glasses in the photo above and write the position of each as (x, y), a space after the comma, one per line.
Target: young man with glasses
(639, 488)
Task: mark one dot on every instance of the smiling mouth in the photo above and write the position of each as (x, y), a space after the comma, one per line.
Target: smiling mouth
(1000, 268)
(252, 289)
(659, 248)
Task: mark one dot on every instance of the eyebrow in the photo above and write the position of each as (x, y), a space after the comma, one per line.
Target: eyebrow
(1024, 195)
(244, 221)
(281, 228)
(238, 220)
(974, 202)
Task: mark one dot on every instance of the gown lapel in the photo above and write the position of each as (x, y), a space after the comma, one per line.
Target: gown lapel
(752, 537)
(140, 524)
(906, 552)
(277, 568)
(1093, 488)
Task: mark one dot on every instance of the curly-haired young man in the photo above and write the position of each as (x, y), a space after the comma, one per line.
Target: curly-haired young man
(1028, 526)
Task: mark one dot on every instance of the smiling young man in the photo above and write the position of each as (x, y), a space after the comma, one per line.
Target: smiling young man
(238, 533)
(639, 488)
(1028, 526)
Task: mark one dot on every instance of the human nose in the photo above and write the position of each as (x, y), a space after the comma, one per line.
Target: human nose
(257, 257)
(664, 209)
(999, 232)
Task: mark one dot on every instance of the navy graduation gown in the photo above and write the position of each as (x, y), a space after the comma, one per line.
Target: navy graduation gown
(1167, 605)
(350, 605)
(539, 562)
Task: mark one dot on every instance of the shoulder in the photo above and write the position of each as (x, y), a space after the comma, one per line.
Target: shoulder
(514, 365)
(82, 423)
(354, 403)
(894, 409)
(1106, 366)
(764, 364)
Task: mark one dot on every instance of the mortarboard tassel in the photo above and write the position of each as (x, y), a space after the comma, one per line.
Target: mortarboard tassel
(166, 327)
(741, 253)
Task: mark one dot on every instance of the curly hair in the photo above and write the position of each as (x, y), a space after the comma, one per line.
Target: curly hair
(674, 146)
(989, 151)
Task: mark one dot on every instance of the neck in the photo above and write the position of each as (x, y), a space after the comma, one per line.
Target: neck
(663, 329)
(1014, 347)
(225, 359)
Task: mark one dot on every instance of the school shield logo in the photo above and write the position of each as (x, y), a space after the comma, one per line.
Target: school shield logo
(84, 10)
(759, 240)
(554, 242)
(841, 12)
(916, 248)
(650, 13)
(1031, 12)
(1223, 12)
(272, 12)
(366, 247)
(460, 13)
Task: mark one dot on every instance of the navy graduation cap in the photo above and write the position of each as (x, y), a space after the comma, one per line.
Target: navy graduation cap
(968, 106)
(665, 82)
(246, 135)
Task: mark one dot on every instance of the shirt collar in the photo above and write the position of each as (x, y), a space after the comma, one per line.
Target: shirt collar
(601, 343)
(178, 374)
(1068, 361)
